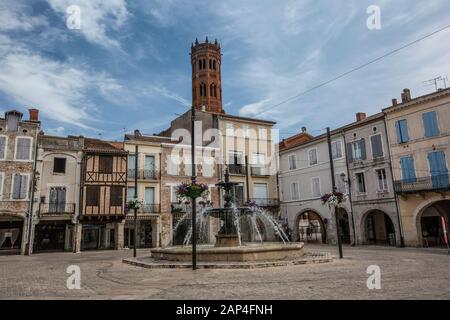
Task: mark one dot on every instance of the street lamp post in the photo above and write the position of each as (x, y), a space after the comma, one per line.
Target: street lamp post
(194, 204)
(135, 197)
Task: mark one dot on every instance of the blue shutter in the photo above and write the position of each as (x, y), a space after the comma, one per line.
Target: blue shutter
(430, 124)
(404, 130)
(399, 132)
(438, 169)
(408, 170)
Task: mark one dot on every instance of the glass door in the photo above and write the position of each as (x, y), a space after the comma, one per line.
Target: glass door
(149, 170)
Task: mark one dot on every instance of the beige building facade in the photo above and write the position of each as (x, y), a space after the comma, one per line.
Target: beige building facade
(17, 157)
(419, 135)
(58, 191)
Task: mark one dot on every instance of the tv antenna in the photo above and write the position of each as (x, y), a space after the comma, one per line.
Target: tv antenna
(436, 81)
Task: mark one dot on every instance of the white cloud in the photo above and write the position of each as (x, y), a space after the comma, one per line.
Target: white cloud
(97, 18)
(152, 90)
(58, 89)
(254, 108)
(13, 17)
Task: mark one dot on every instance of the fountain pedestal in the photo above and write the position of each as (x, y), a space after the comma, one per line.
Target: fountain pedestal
(227, 240)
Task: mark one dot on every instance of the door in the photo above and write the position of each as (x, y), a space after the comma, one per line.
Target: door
(57, 199)
(149, 167)
(149, 199)
(438, 169)
(260, 193)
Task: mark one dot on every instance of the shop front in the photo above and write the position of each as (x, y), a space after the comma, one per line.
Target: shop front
(53, 236)
(99, 236)
(144, 235)
(11, 236)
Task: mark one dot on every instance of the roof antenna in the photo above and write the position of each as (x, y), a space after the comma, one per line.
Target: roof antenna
(435, 82)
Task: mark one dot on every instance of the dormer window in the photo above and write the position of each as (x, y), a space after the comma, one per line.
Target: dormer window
(12, 121)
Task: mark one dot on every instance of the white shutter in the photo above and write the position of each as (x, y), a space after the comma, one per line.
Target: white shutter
(23, 149)
(23, 186)
(315, 187)
(2, 147)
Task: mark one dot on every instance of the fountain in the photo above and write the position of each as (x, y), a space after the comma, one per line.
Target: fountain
(228, 246)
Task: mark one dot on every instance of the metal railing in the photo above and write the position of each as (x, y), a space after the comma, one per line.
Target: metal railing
(236, 169)
(56, 208)
(266, 202)
(260, 171)
(431, 183)
(144, 174)
(151, 208)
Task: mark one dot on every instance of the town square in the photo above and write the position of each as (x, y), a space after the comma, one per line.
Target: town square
(169, 150)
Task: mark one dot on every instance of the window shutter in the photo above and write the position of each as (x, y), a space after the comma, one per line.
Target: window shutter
(362, 143)
(16, 186)
(349, 152)
(377, 148)
(404, 131)
(2, 147)
(430, 124)
(399, 132)
(23, 186)
(408, 170)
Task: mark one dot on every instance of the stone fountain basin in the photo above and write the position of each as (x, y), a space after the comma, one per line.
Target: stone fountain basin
(248, 252)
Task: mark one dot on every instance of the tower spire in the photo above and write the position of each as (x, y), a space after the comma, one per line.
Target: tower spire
(206, 76)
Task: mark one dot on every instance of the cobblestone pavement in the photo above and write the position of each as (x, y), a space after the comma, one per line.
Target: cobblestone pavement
(405, 274)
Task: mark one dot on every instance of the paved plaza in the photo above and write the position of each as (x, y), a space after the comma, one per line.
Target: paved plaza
(405, 274)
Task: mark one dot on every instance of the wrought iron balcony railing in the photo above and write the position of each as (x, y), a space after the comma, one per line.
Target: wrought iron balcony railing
(151, 208)
(143, 174)
(260, 171)
(236, 169)
(266, 202)
(56, 208)
(423, 184)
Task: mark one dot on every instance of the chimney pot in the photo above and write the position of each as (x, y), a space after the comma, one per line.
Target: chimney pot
(394, 102)
(406, 95)
(304, 129)
(360, 116)
(34, 114)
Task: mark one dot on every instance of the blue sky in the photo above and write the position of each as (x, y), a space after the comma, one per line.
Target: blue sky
(128, 66)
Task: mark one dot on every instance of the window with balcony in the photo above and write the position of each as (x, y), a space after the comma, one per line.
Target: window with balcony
(408, 169)
(57, 199)
(401, 127)
(130, 193)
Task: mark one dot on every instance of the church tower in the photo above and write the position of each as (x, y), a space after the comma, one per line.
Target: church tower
(206, 79)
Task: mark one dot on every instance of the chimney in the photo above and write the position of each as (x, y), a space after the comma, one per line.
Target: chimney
(394, 102)
(304, 130)
(360, 116)
(34, 114)
(406, 95)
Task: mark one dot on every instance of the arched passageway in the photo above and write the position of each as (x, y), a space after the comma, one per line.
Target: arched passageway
(379, 229)
(433, 220)
(311, 227)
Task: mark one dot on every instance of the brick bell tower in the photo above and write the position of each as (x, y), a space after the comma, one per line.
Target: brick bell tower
(206, 78)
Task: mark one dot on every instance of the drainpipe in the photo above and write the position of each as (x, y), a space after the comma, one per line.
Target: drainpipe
(355, 241)
(400, 227)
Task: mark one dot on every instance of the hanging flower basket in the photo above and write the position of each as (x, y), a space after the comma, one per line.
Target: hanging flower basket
(192, 190)
(333, 199)
(133, 204)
